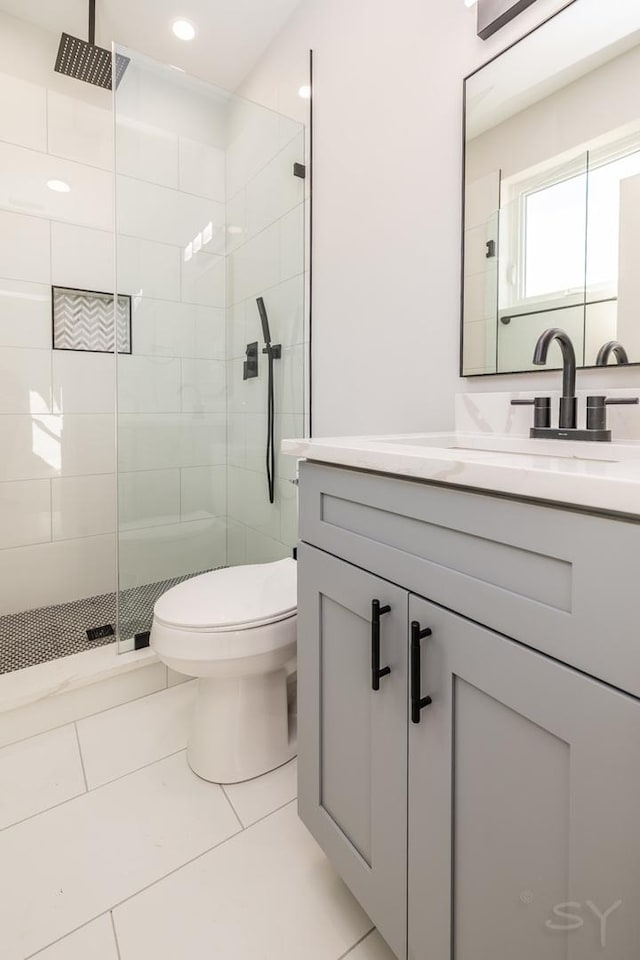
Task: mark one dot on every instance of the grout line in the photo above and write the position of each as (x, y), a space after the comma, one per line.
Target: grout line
(115, 934)
(41, 950)
(90, 789)
(32, 816)
(194, 859)
(235, 812)
(84, 772)
(357, 944)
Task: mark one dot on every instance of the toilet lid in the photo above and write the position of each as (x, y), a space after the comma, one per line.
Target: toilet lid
(234, 597)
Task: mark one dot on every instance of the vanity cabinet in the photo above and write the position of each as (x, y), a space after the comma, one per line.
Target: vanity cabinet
(498, 820)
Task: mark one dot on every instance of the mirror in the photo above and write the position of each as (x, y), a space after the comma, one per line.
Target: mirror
(552, 191)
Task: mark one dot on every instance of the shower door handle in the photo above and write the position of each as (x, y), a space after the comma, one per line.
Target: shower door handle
(377, 672)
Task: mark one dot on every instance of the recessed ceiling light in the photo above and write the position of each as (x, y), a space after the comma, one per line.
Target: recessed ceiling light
(183, 29)
(59, 186)
(305, 92)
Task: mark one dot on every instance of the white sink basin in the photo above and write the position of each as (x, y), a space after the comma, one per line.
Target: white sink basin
(519, 446)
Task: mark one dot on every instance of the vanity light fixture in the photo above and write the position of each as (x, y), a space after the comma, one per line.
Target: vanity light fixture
(183, 29)
(58, 186)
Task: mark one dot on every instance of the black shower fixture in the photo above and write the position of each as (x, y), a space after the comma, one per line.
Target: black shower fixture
(273, 352)
(83, 60)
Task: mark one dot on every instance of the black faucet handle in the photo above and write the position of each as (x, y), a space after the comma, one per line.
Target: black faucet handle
(542, 410)
(597, 409)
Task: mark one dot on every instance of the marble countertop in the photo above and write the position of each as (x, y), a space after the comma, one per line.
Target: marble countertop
(598, 476)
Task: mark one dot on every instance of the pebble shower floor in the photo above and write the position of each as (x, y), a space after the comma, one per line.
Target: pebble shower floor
(47, 633)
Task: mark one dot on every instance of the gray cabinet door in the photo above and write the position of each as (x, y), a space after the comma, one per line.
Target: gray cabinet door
(352, 739)
(524, 787)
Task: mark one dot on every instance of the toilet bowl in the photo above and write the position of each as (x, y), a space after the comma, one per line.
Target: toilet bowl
(235, 630)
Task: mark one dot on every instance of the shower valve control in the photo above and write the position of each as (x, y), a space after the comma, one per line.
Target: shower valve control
(250, 369)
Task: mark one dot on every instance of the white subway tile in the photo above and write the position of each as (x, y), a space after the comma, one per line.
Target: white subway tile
(148, 498)
(148, 384)
(202, 169)
(80, 131)
(25, 314)
(160, 553)
(204, 279)
(23, 186)
(210, 335)
(25, 513)
(83, 382)
(285, 304)
(151, 212)
(161, 441)
(292, 243)
(146, 152)
(53, 573)
(162, 328)
(236, 542)
(83, 506)
(274, 191)
(25, 380)
(203, 386)
(82, 258)
(255, 267)
(24, 248)
(263, 549)
(23, 112)
(148, 269)
(203, 492)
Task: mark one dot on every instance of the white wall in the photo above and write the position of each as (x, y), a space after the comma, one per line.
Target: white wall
(388, 169)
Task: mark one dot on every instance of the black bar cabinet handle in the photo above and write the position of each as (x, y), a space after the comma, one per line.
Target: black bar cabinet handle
(376, 671)
(418, 702)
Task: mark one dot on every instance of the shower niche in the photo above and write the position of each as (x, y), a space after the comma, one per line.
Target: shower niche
(135, 449)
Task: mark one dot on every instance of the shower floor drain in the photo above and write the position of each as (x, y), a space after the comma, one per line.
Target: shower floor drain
(48, 633)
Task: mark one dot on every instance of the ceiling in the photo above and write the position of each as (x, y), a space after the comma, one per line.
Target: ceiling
(232, 34)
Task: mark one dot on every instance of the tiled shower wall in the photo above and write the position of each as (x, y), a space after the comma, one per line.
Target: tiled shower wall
(266, 222)
(57, 409)
(57, 500)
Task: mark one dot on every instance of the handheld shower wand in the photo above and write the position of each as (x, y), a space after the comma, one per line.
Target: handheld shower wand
(273, 352)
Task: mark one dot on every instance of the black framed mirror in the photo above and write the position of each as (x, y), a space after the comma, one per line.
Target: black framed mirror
(551, 222)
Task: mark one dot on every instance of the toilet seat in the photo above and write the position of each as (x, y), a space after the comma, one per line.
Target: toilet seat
(231, 599)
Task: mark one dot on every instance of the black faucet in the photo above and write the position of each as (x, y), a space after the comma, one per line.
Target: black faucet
(568, 419)
(615, 347)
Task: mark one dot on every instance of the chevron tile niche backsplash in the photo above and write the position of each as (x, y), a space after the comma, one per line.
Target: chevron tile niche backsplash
(83, 320)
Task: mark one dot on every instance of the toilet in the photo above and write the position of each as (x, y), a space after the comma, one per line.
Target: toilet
(235, 630)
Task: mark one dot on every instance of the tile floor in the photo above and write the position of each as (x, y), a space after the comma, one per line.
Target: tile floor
(112, 849)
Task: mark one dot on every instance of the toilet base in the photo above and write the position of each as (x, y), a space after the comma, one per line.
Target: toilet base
(241, 727)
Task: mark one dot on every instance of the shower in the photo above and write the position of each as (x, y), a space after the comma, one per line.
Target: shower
(83, 60)
(134, 453)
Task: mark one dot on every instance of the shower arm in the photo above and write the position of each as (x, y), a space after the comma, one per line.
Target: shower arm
(92, 22)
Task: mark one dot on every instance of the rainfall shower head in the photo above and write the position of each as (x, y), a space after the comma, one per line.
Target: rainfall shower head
(83, 60)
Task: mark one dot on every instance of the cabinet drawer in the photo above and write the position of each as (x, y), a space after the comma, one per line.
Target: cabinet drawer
(560, 581)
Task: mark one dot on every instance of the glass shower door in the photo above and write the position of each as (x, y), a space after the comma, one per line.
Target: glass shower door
(210, 216)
